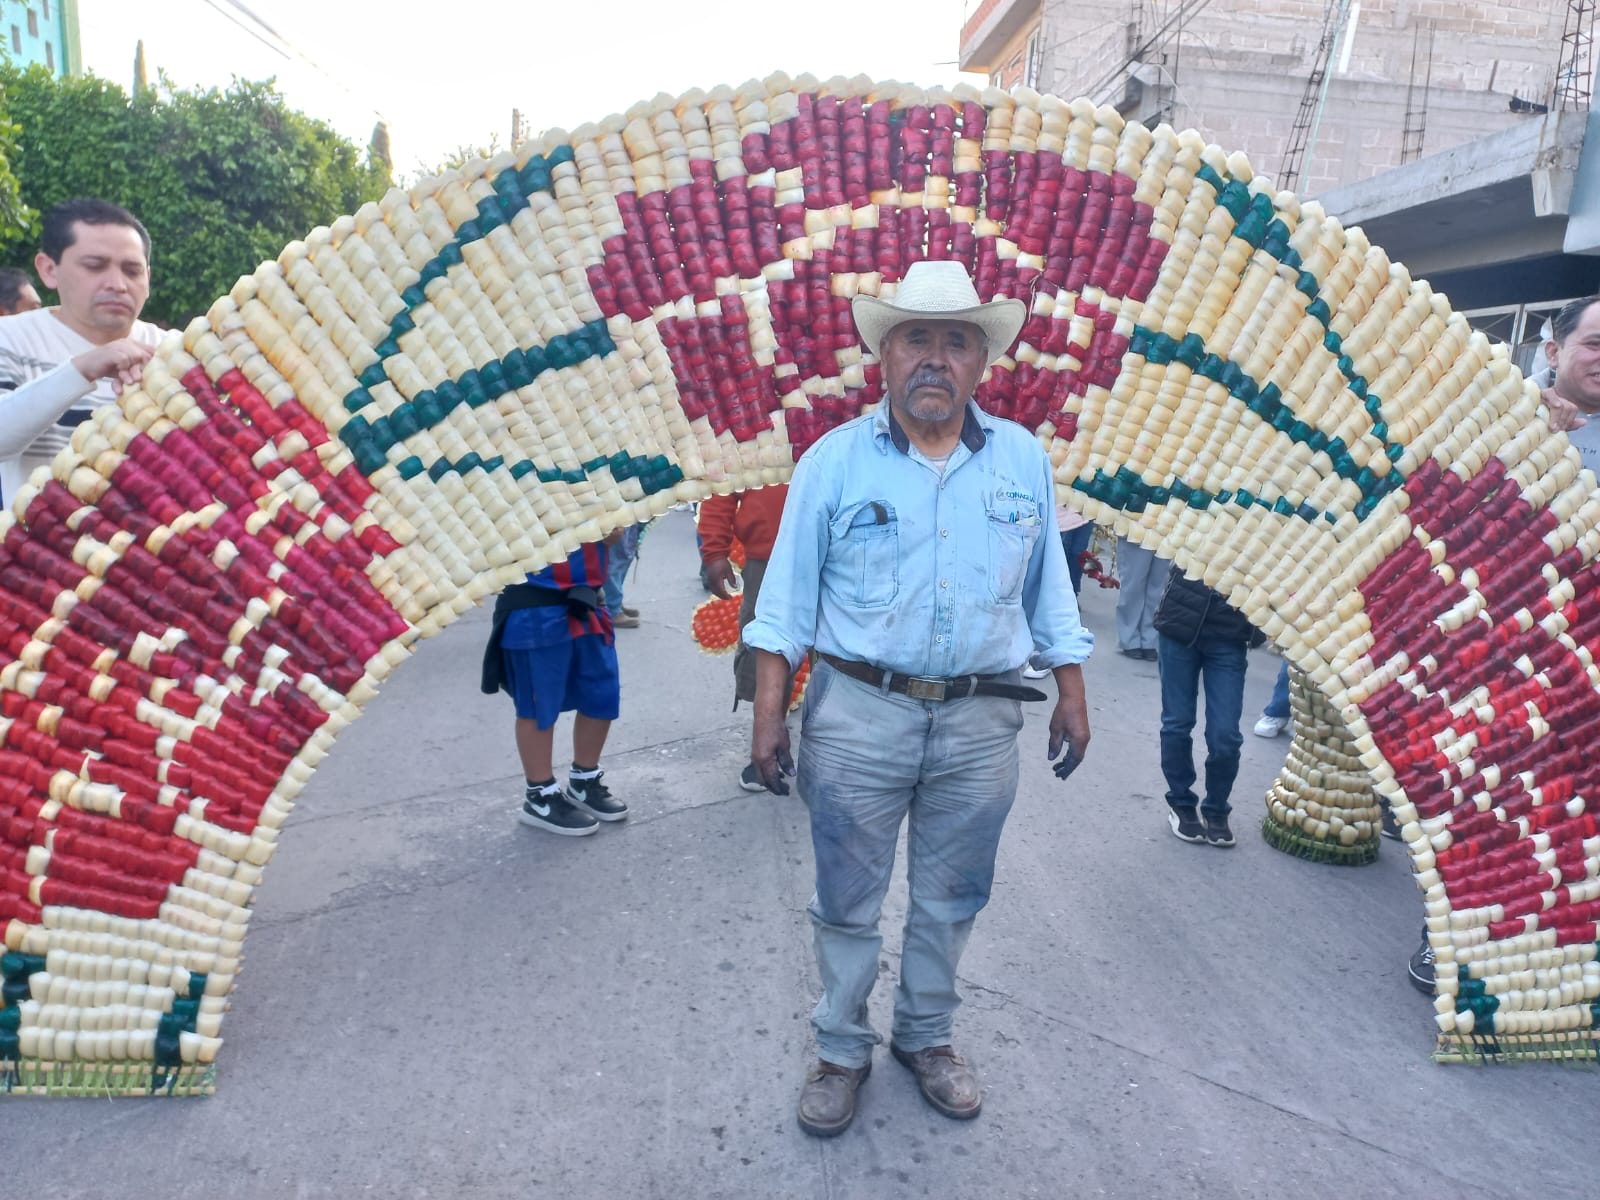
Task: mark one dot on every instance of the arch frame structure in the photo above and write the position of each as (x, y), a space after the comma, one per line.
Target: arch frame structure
(420, 402)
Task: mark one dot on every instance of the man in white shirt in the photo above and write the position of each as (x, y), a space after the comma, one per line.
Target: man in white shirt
(58, 364)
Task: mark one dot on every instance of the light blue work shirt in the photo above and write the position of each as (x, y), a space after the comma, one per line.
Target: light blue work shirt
(882, 560)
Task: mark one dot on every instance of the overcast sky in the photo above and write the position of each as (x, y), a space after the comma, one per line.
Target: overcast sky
(446, 75)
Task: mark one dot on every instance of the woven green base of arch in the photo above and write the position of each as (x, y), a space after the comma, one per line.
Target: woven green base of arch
(1581, 1046)
(1292, 841)
(32, 1077)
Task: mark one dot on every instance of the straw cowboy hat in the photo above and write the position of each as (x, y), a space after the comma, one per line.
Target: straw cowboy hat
(943, 291)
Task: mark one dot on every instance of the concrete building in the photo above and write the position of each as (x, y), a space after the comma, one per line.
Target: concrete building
(1237, 69)
(42, 32)
(1435, 133)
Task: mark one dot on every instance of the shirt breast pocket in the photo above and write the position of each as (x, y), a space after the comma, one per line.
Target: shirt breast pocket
(863, 567)
(1013, 530)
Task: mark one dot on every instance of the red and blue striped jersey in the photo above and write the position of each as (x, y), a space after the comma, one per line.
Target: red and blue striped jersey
(586, 566)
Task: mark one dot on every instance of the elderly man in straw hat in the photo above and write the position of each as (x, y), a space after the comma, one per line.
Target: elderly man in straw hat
(917, 555)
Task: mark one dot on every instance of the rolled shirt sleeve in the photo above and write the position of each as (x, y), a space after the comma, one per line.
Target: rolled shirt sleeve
(786, 610)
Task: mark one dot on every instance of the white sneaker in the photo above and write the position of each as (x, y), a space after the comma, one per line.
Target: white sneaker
(1271, 727)
(1032, 672)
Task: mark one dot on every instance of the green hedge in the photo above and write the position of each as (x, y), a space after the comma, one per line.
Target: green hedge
(222, 178)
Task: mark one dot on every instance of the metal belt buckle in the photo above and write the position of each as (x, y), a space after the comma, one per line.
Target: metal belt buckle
(924, 687)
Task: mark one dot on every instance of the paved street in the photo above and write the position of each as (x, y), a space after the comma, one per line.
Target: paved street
(440, 1002)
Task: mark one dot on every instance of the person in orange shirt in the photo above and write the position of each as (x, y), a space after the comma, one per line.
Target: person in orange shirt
(751, 518)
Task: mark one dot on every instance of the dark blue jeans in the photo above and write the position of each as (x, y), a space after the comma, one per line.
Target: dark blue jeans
(1075, 542)
(1220, 665)
(1278, 705)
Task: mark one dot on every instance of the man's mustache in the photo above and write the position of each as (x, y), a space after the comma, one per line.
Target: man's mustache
(925, 378)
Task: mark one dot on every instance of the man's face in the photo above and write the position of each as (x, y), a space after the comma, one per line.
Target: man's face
(103, 280)
(1576, 362)
(931, 367)
(27, 300)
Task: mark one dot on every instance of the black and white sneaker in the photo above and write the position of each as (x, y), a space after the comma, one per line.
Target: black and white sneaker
(1185, 823)
(1217, 831)
(750, 780)
(546, 807)
(594, 798)
(1420, 969)
(1389, 828)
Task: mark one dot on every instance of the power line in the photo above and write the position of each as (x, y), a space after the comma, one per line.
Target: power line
(284, 48)
(245, 9)
(1185, 9)
(228, 16)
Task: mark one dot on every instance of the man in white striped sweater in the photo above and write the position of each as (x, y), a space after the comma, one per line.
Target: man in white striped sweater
(59, 363)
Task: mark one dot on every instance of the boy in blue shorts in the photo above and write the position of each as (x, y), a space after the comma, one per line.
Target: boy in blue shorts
(552, 649)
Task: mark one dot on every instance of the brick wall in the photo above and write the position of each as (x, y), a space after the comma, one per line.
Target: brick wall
(1009, 64)
(979, 15)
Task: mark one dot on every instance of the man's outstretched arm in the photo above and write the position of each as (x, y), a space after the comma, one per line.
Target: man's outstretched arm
(28, 409)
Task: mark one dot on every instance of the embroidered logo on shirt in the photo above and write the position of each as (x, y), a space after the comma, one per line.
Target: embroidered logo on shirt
(1015, 505)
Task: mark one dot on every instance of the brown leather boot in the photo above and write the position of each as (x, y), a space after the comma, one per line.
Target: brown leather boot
(946, 1081)
(828, 1099)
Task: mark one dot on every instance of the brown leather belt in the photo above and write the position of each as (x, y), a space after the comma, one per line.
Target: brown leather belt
(932, 687)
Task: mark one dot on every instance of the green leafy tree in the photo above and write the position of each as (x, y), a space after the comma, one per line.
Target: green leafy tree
(223, 178)
(15, 216)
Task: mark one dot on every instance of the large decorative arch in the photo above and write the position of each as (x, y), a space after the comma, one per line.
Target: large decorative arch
(407, 410)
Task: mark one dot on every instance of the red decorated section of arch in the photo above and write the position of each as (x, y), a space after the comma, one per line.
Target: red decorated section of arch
(1489, 647)
(177, 590)
(1051, 230)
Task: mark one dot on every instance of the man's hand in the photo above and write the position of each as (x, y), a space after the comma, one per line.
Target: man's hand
(1565, 416)
(769, 753)
(121, 361)
(1069, 725)
(769, 740)
(1069, 721)
(720, 578)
